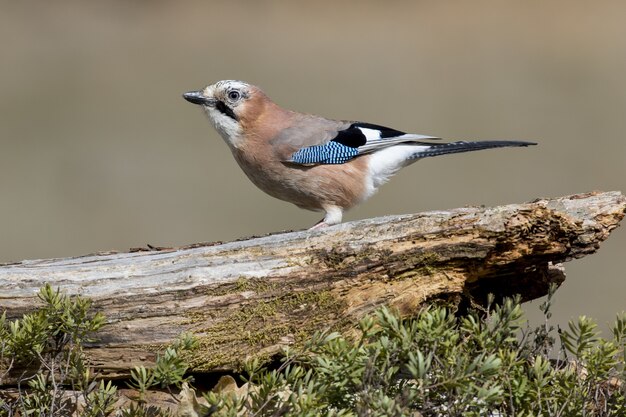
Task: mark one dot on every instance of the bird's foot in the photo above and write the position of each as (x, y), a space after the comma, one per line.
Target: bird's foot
(320, 225)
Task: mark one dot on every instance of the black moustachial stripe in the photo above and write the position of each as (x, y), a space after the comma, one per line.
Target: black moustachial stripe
(224, 109)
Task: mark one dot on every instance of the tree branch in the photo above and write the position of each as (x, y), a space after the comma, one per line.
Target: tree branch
(251, 297)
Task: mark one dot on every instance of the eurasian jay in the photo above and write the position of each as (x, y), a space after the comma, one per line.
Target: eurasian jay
(315, 163)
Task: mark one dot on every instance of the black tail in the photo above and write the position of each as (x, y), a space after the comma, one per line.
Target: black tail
(436, 149)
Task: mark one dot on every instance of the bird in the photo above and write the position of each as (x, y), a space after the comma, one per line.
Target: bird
(316, 163)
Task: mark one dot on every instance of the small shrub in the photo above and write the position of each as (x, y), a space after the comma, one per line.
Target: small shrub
(142, 410)
(441, 364)
(484, 363)
(50, 340)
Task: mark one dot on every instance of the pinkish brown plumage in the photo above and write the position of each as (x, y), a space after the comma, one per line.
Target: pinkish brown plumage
(315, 163)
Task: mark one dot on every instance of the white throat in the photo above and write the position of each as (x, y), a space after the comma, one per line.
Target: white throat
(228, 128)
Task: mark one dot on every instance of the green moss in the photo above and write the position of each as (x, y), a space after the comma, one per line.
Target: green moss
(337, 259)
(398, 266)
(419, 264)
(243, 284)
(260, 325)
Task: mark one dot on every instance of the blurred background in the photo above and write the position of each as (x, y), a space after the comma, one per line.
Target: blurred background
(100, 152)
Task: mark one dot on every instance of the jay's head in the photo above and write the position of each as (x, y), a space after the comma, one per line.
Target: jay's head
(230, 105)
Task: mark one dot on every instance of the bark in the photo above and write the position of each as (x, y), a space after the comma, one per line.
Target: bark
(251, 297)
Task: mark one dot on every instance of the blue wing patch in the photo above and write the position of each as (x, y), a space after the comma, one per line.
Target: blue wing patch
(328, 153)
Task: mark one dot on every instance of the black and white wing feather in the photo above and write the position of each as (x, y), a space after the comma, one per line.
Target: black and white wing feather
(357, 139)
(353, 139)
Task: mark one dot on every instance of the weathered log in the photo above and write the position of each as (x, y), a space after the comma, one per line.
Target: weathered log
(251, 297)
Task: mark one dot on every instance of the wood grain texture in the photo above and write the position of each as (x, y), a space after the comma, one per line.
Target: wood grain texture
(251, 297)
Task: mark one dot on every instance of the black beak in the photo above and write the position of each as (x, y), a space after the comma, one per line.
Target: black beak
(196, 97)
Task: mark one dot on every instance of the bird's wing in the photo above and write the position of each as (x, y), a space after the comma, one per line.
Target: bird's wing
(334, 142)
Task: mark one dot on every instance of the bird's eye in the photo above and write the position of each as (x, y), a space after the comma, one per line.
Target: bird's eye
(234, 95)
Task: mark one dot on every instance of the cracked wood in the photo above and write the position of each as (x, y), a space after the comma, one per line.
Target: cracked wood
(251, 297)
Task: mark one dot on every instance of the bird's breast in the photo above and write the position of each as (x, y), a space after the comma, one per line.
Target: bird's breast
(313, 187)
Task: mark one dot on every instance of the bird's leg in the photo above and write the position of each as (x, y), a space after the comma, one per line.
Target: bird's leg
(319, 225)
(333, 216)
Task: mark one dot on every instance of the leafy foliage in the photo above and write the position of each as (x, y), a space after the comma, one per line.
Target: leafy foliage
(143, 410)
(50, 340)
(441, 364)
(62, 324)
(170, 368)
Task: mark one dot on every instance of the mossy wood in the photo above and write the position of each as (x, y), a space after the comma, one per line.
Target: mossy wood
(249, 298)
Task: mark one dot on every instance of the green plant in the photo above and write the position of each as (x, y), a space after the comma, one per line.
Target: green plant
(99, 400)
(440, 363)
(142, 410)
(169, 370)
(443, 364)
(49, 341)
(141, 379)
